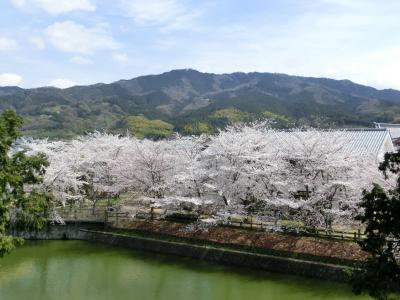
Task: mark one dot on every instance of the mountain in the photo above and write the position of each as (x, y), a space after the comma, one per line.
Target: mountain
(184, 96)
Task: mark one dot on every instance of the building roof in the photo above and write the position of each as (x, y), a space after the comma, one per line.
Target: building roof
(368, 140)
(376, 141)
(394, 129)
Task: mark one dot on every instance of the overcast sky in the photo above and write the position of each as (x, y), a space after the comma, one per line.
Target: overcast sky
(67, 42)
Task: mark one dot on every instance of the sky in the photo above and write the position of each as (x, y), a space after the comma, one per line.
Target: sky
(77, 42)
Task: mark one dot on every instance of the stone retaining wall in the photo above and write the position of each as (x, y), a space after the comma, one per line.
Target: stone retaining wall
(69, 231)
(93, 232)
(225, 256)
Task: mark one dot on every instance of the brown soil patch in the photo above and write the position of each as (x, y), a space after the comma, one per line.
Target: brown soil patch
(274, 241)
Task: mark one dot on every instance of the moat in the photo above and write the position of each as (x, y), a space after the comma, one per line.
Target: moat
(81, 270)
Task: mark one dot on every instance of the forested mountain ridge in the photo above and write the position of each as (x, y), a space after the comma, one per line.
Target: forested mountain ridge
(185, 97)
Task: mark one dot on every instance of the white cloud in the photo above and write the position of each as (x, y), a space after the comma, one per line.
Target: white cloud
(348, 4)
(69, 36)
(120, 58)
(19, 3)
(169, 14)
(378, 68)
(356, 43)
(55, 7)
(38, 42)
(7, 44)
(8, 79)
(80, 60)
(61, 83)
(153, 12)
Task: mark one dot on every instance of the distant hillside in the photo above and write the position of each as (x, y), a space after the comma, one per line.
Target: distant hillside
(191, 99)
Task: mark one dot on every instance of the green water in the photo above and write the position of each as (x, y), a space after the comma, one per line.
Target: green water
(76, 270)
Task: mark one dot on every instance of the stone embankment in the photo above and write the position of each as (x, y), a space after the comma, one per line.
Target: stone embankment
(218, 253)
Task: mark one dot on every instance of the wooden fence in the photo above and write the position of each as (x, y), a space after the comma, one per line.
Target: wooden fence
(248, 223)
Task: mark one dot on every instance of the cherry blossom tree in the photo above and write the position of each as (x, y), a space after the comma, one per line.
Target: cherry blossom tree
(147, 167)
(242, 163)
(324, 178)
(80, 169)
(96, 163)
(311, 176)
(191, 174)
(62, 177)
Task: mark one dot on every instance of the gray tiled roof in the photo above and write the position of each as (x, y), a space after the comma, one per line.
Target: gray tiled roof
(368, 140)
(394, 129)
